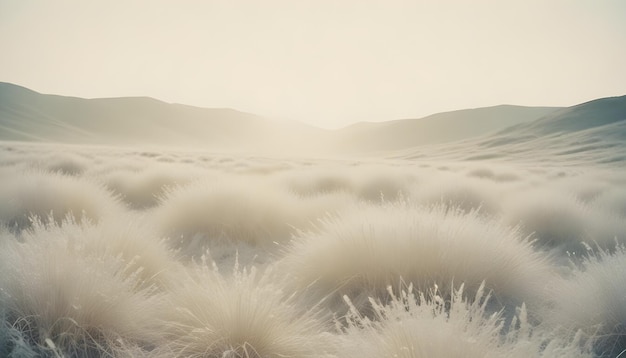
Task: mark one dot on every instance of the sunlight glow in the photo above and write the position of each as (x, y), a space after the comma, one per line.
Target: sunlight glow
(327, 63)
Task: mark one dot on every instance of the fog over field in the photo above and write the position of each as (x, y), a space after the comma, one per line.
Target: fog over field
(216, 233)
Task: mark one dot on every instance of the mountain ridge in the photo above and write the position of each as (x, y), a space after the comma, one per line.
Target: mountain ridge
(593, 131)
(30, 115)
(443, 127)
(27, 115)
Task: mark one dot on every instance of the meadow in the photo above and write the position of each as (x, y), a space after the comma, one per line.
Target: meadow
(121, 252)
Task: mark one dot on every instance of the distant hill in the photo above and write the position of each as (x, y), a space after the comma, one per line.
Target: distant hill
(437, 128)
(26, 115)
(582, 116)
(604, 116)
(594, 131)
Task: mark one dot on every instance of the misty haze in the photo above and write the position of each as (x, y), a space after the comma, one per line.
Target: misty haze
(238, 179)
(132, 227)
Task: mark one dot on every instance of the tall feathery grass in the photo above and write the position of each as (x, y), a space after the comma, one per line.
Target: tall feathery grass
(369, 247)
(371, 183)
(61, 299)
(108, 252)
(46, 195)
(563, 223)
(141, 189)
(593, 299)
(427, 324)
(236, 212)
(242, 316)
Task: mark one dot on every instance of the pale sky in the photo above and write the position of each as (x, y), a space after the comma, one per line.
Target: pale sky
(324, 62)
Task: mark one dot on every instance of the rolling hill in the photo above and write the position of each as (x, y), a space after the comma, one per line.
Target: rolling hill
(437, 128)
(591, 132)
(26, 115)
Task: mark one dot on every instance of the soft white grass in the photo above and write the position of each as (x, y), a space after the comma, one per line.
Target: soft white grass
(51, 195)
(136, 244)
(233, 210)
(62, 160)
(368, 247)
(141, 189)
(594, 299)
(246, 315)
(378, 184)
(555, 218)
(62, 299)
(247, 209)
(428, 325)
(67, 163)
(307, 182)
(562, 222)
(466, 193)
(367, 182)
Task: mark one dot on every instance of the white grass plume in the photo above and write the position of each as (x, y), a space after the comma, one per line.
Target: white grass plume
(428, 325)
(144, 254)
(41, 194)
(66, 300)
(243, 316)
(67, 163)
(50, 159)
(141, 189)
(238, 210)
(369, 247)
(307, 182)
(461, 192)
(559, 221)
(384, 184)
(594, 299)
(367, 182)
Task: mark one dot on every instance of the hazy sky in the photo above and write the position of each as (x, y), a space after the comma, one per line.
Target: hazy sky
(328, 63)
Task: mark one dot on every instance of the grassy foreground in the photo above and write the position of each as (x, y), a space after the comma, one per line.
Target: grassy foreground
(121, 253)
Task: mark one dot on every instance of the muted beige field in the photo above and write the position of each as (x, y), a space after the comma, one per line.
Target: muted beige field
(163, 253)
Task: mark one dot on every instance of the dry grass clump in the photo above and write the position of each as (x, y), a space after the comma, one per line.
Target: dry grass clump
(468, 194)
(561, 222)
(47, 159)
(81, 275)
(234, 210)
(141, 189)
(384, 184)
(143, 252)
(594, 299)
(61, 299)
(242, 316)
(369, 247)
(373, 183)
(67, 163)
(308, 182)
(48, 195)
(428, 325)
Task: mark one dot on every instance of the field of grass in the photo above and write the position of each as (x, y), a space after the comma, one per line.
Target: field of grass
(110, 252)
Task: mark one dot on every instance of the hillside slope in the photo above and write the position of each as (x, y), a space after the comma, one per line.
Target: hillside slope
(591, 132)
(437, 128)
(26, 115)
